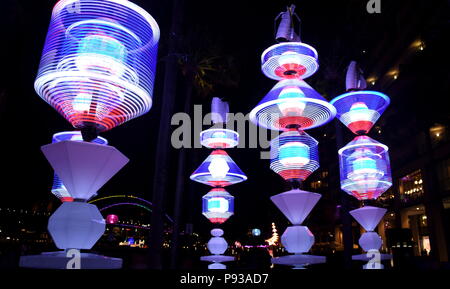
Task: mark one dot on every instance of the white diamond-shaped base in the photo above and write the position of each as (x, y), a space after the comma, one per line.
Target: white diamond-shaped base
(218, 168)
(368, 216)
(83, 167)
(296, 204)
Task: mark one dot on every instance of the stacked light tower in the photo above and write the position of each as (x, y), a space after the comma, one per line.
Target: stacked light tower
(97, 70)
(292, 106)
(218, 171)
(364, 163)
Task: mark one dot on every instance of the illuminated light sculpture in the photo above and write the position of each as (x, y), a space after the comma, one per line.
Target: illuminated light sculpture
(218, 205)
(294, 155)
(292, 102)
(365, 168)
(359, 110)
(58, 188)
(293, 106)
(218, 171)
(97, 70)
(364, 163)
(98, 63)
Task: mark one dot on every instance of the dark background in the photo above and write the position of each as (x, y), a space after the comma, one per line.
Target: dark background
(238, 31)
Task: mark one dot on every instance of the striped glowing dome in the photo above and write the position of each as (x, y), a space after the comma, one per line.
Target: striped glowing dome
(365, 168)
(292, 103)
(218, 170)
(219, 138)
(294, 155)
(218, 205)
(58, 188)
(289, 60)
(98, 64)
(359, 110)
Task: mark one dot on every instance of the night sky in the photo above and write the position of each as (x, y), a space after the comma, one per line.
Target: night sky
(236, 30)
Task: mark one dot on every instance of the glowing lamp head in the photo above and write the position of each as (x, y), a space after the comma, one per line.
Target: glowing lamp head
(98, 65)
(289, 60)
(364, 168)
(294, 155)
(359, 110)
(218, 205)
(292, 103)
(218, 170)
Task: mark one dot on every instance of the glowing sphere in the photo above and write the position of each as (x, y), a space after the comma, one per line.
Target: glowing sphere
(292, 103)
(365, 168)
(359, 110)
(218, 205)
(219, 138)
(58, 188)
(98, 64)
(218, 170)
(112, 219)
(289, 60)
(256, 232)
(294, 155)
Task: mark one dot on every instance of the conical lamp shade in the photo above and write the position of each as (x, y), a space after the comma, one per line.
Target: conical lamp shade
(368, 216)
(292, 102)
(218, 170)
(83, 167)
(359, 110)
(296, 204)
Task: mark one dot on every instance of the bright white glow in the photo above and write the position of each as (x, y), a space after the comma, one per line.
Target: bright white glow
(291, 104)
(218, 167)
(218, 205)
(290, 57)
(359, 112)
(82, 102)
